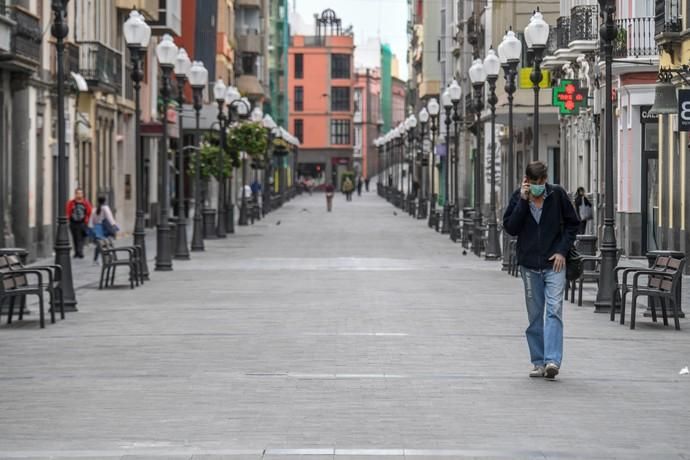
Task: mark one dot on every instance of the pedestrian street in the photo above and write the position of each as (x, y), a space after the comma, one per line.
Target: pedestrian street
(355, 334)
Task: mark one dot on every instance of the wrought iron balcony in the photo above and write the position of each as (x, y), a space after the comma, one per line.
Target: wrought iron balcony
(25, 39)
(584, 25)
(667, 16)
(562, 32)
(101, 66)
(635, 37)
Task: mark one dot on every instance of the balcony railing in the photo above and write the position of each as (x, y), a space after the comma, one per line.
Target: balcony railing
(635, 37)
(26, 39)
(563, 32)
(667, 16)
(101, 66)
(584, 23)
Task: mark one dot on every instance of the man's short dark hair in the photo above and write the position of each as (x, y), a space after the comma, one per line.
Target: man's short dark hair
(537, 170)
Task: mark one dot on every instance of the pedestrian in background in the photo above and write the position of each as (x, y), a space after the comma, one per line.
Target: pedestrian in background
(366, 184)
(348, 188)
(78, 212)
(360, 184)
(543, 218)
(102, 225)
(584, 210)
(330, 191)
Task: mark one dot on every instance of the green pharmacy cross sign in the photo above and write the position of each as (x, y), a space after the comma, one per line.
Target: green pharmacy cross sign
(569, 97)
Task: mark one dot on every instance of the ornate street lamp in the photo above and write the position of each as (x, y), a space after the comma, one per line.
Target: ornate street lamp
(166, 52)
(608, 249)
(492, 66)
(138, 35)
(219, 90)
(509, 52)
(434, 109)
(198, 79)
(536, 36)
(401, 155)
(269, 124)
(182, 67)
(242, 110)
(447, 104)
(424, 164)
(59, 31)
(455, 91)
(477, 75)
(410, 125)
(232, 95)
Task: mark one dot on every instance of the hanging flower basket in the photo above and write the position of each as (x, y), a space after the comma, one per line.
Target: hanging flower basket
(249, 137)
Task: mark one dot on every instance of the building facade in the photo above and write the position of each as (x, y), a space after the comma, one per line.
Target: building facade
(279, 41)
(251, 32)
(367, 120)
(321, 79)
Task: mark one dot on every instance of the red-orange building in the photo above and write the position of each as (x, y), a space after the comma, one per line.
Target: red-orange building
(320, 90)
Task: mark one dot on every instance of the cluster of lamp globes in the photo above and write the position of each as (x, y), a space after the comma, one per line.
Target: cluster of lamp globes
(509, 52)
(138, 35)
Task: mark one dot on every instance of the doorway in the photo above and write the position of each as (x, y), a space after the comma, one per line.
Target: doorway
(649, 184)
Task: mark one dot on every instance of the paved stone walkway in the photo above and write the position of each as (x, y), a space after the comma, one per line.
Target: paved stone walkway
(356, 334)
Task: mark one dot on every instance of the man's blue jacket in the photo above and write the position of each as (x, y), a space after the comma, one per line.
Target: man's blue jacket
(554, 234)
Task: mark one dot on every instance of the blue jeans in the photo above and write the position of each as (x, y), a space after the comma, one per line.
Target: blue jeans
(544, 291)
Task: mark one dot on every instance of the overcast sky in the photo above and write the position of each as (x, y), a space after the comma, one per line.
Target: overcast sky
(369, 18)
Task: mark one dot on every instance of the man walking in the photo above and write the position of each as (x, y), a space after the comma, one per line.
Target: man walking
(543, 218)
(330, 191)
(78, 213)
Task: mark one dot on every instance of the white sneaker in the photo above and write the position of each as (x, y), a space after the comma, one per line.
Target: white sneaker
(537, 371)
(551, 371)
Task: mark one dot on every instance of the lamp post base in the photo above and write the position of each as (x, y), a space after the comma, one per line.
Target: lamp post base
(163, 259)
(493, 248)
(140, 240)
(62, 258)
(182, 250)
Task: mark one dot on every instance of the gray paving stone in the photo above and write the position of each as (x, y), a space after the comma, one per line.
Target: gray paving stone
(358, 331)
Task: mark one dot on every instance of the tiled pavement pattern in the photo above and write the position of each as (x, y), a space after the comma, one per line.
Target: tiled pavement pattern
(352, 335)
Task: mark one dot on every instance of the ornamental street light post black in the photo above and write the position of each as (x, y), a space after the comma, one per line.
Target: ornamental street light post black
(59, 31)
(608, 249)
(166, 51)
(455, 96)
(410, 125)
(198, 79)
(509, 52)
(137, 35)
(536, 36)
(182, 68)
(241, 106)
(434, 109)
(219, 92)
(269, 124)
(424, 164)
(492, 66)
(478, 78)
(447, 105)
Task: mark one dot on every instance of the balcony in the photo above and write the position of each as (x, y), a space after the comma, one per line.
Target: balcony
(101, 66)
(6, 26)
(562, 32)
(24, 50)
(169, 18)
(584, 28)
(250, 42)
(248, 3)
(668, 21)
(148, 8)
(635, 38)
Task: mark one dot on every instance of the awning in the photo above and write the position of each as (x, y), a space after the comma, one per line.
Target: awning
(249, 85)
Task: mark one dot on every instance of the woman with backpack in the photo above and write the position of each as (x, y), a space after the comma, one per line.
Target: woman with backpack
(102, 225)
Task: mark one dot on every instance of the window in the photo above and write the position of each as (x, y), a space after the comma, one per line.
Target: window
(249, 64)
(340, 99)
(299, 98)
(340, 66)
(340, 132)
(299, 130)
(299, 65)
(357, 99)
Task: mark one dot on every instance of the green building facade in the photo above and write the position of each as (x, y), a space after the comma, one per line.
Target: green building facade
(386, 87)
(279, 40)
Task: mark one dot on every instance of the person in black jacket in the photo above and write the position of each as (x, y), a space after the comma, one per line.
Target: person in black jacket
(543, 218)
